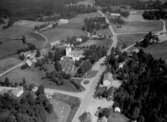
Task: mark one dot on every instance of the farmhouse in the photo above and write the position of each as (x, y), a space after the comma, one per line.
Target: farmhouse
(115, 15)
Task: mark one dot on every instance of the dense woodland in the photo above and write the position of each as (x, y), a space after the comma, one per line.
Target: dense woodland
(30, 107)
(136, 4)
(36, 9)
(143, 93)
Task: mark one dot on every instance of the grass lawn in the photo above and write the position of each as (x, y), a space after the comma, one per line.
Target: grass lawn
(62, 33)
(7, 63)
(37, 77)
(100, 43)
(135, 27)
(128, 39)
(73, 102)
(158, 50)
(10, 40)
(90, 74)
(61, 109)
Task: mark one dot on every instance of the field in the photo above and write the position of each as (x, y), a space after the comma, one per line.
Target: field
(71, 101)
(101, 43)
(158, 50)
(135, 16)
(62, 34)
(106, 32)
(11, 42)
(73, 28)
(8, 63)
(128, 39)
(34, 76)
(138, 27)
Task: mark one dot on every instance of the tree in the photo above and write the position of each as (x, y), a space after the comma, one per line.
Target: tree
(40, 90)
(85, 117)
(7, 81)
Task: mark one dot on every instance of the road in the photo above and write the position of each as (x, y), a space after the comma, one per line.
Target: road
(87, 101)
(114, 37)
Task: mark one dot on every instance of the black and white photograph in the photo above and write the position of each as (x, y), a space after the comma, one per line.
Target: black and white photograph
(83, 60)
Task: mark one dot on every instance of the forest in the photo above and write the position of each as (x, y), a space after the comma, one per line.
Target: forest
(143, 93)
(35, 9)
(30, 107)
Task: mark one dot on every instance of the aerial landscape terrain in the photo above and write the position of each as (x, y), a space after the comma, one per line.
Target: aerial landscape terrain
(83, 61)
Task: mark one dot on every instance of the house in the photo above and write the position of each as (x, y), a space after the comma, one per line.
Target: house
(63, 21)
(107, 81)
(117, 109)
(79, 39)
(29, 63)
(76, 55)
(115, 15)
(55, 43)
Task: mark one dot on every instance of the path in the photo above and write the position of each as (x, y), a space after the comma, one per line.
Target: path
(11, 69)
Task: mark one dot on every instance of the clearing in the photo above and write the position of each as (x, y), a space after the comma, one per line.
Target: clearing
(62, 33)
(73, 102)
(125, 40)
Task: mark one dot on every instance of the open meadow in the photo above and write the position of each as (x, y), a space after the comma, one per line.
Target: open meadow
(138, 27)
(73, 28)
(62, 33)
(128, 39)
(106, 43)
(73, 102)
(7, 63)
(10, 39)
(36, 77)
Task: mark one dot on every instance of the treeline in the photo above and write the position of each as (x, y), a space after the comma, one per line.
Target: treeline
(143, 93)
(30, 107)
(94, 24)
(155, 10)
(137, 4)
(35, 9)
(92, 55)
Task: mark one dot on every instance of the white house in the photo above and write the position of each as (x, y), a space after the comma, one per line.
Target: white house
(63, 21)
(117, 109)
(76, 55)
